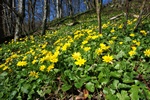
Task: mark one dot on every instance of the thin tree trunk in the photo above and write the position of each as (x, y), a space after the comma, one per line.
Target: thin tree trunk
(33, 14)
(140, 16)
(44, 17)
(1, 19)
(126, 15)
(99, 10)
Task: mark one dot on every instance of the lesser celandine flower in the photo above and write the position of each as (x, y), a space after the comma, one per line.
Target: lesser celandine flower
(132, 52)
(80, 61)
(103, 46)
(76, 55)
(112, 31)
(137, 43)
(104, 26)
(5, 68)
(111, 42)
(132, 34)
(147, 52)
(22, 63)
(34, 61)
(85, 42)
(107, 58)
(133, 48)
(87, 48)
(120, 42)
(120, 26)
(34, 74)
(42, 67)
(114, 37)
(99, 51)
(50, 67)
(143, 32)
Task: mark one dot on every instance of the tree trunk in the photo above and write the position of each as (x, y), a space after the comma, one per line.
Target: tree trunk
(1, 18)
(140, 16)
(44, 17)
(99, 10)
(19, 18)
(126, 15)
(33, 14)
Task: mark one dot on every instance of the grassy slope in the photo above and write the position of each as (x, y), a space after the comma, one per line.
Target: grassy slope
(123, 77)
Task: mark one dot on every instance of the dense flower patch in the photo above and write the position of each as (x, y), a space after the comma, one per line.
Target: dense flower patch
(113, 65)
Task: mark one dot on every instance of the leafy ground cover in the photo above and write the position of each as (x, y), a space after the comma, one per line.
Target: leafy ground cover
(78, 62)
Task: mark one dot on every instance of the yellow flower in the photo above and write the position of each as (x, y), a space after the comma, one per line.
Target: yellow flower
(111, 42)
(133, 48)
(103, 46)
(66, 45)
(135, 20)
(53, 58)
(87, 48)
(22, 63)
(134, 41)
(114, 37)
(107, 58)
(94, 37)
(42, 67)
(132, 52)
(24, 58)
(98, 51)
(147, 52)
(112, 31)
(76, 55)
(137, 43)
(129, 22)
(100, 35)
(6, 67)
(34, 61)
(143, 32)
(50, 67)
(120, 26)
(80, 62)
(132, 35)
(104, 26)
(120, 42)
(2, 65)
(34, 74)
(84, 42)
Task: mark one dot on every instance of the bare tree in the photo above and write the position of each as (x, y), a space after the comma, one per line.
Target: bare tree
(19, 18)
(31, 14)
(126, 15)
(58, 8)
(1, 20)
(45, 17)
(140, 15)
(99, 10)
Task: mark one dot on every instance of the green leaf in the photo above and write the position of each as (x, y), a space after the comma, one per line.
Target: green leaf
(123, 95)
(66, 87)
(78, 84)
(120, 54)
(134, 92)
(25, 88)
(2, 75)
(1, 94)
(41, 93)
(123, 86)
(115, 84)
(115, 74)
(128, 39)
(90, 86)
